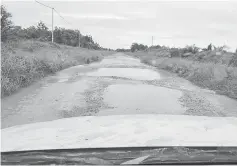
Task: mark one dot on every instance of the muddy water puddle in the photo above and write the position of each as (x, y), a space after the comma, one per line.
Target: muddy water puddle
(120, 60)
(141, 99)
(130, 73)
(67, 75)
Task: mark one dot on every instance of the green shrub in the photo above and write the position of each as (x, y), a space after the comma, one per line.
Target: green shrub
(21, 68)
(217, 77)
(233, 61)
(175, 52)
(146, 60)
(192, 49)
(94, 58)
(6, 24)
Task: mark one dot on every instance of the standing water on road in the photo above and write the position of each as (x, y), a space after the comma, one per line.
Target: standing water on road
(130, 73)
(144, 99)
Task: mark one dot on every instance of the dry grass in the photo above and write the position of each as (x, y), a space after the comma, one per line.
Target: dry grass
(24, 62)
(216, 76)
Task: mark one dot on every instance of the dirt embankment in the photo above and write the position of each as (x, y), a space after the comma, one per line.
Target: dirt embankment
(215, 71)
(24, 62)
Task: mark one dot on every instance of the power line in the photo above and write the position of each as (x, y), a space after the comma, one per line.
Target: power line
(53, 9)
(52, 15)
(62, 17)
(79, 34)
(43, 4)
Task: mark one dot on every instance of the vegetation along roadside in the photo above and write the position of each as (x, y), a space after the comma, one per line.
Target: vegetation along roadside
(28, 55)
(212, 67)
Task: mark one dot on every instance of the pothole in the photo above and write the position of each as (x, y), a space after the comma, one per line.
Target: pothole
(141, 99)
(197, 105)
(130, 73)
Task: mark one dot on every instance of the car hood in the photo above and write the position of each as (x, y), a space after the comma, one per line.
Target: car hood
(122, 131)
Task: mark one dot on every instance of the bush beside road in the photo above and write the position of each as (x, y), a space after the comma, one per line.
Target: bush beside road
(208, 69)
(28, 54)
(24, 62)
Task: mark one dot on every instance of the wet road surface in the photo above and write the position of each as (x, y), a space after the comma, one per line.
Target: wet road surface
(117, 85)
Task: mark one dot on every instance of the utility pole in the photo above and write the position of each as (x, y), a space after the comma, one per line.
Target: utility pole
(90, 42)
(52, 14)
(79, 39)
(53, 21)
(52, 24)
(152, 41)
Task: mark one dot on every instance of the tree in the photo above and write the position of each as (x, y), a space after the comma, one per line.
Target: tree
(221, 48)
(42, 32)
(31, 33)
(42, 26)
(155, 47)
(123, 50)
(6, 23)
(209, 47)
(15, 33)
(136, 46)
(193, 49)
(57, 35)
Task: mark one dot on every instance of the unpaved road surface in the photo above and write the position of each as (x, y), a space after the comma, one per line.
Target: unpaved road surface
(117, 85)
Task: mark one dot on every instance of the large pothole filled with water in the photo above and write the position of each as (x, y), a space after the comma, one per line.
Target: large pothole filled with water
(130, 73)
(141, 99)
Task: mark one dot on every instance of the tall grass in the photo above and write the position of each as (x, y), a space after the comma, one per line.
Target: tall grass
(219, 77)
(24, 62)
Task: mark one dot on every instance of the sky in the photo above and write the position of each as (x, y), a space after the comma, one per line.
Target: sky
(117, 24)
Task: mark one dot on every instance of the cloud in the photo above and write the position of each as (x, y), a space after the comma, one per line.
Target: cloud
(141, 14)
(140, 33)
(92, 16)
(220, 26)
(158, 35)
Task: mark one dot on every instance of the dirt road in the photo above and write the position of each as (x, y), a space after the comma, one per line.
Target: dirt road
(117, 85)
